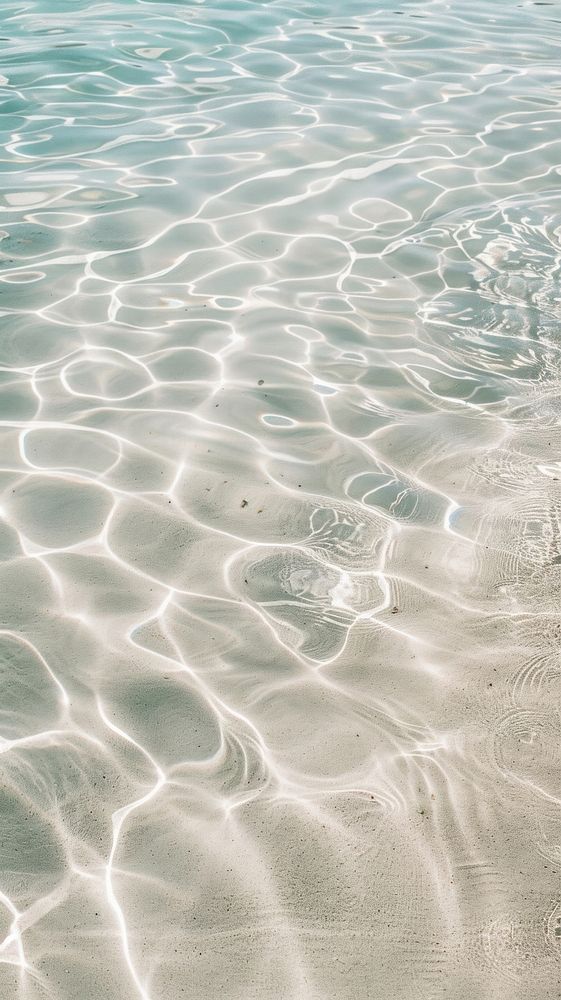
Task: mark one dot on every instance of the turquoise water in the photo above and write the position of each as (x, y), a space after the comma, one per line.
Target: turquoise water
(280, 471)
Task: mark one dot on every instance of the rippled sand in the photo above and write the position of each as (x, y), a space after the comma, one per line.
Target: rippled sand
(281, 501)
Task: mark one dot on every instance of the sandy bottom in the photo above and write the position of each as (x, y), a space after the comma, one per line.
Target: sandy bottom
(280, 476)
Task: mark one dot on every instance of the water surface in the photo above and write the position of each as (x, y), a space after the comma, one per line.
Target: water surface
(280, 296)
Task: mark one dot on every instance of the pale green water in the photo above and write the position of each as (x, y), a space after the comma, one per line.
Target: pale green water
(280, 516)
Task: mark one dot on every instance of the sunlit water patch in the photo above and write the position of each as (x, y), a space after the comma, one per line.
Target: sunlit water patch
(280, 512)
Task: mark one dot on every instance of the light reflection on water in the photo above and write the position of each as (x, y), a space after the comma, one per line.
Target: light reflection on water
(280, 516)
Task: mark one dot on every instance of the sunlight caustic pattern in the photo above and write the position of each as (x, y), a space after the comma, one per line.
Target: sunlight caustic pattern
(280, 512)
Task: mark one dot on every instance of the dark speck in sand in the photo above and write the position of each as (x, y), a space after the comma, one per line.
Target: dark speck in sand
(244, 503)
(395, 609)
(261, 381)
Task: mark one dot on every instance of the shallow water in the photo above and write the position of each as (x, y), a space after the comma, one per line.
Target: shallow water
(281, 500)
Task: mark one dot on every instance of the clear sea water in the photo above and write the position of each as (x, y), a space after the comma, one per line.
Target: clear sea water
(280, 474)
